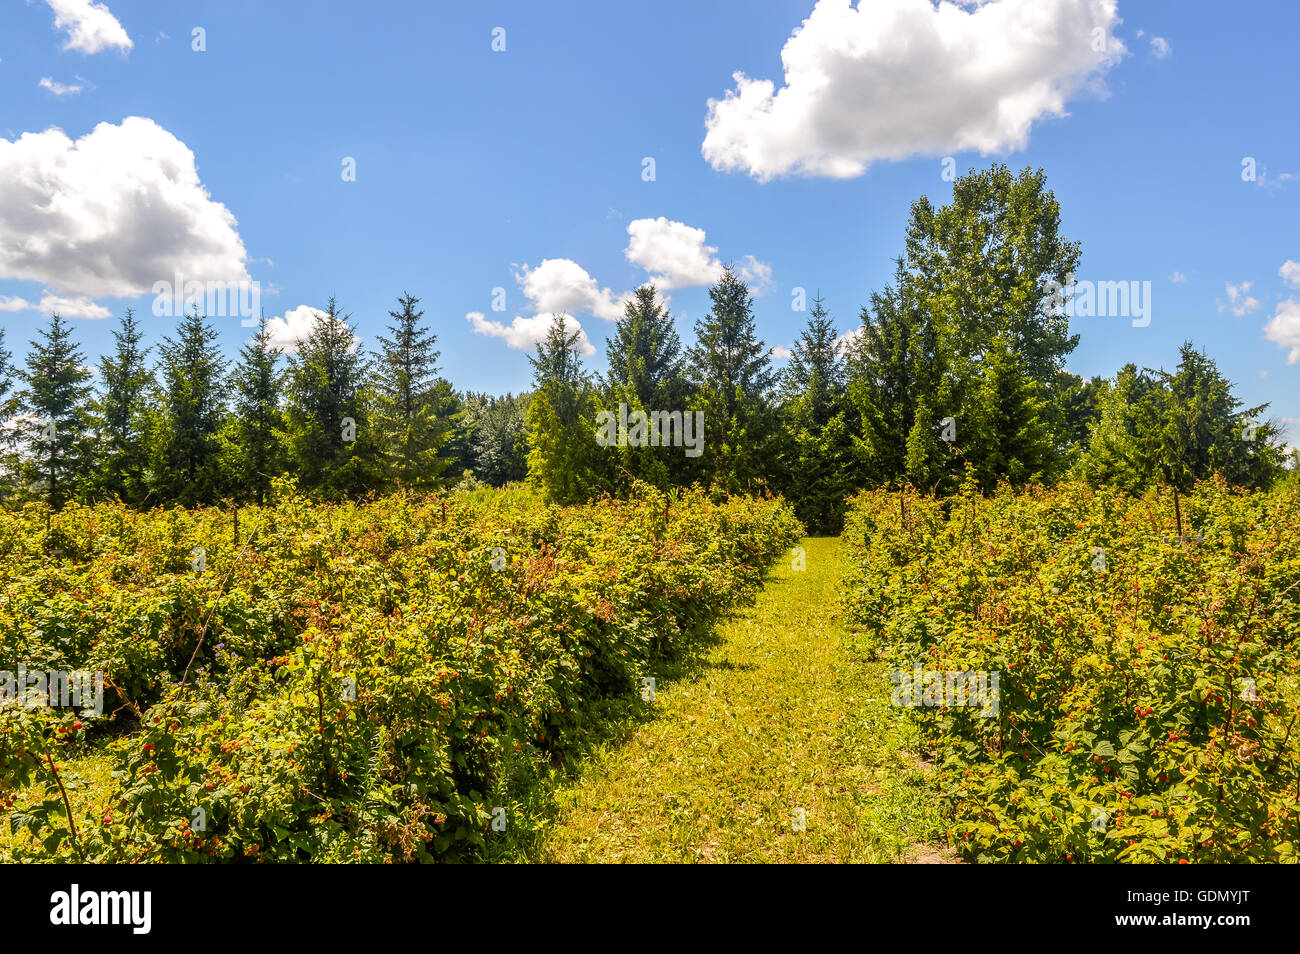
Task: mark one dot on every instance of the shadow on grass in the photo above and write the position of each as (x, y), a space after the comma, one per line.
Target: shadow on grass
(614, 721)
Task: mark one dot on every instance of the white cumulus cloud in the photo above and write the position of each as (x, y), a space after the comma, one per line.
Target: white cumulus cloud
(111, 213)
(78, 307)
(1283, 329)
(562, 285)
(90, 26)
(1160, 47)
(897, 78)
(1290, 272)
(674, 253)
(525, 333)
(677, 255)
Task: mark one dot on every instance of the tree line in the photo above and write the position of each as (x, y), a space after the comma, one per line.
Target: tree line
(954, 372)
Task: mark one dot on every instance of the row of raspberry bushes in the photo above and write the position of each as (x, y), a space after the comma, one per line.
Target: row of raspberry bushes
(362, 679)
(1148, 690)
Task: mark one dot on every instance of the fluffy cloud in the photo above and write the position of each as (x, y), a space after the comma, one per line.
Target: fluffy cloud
(674, 253)
(1283, 329)
(1160, 47)
(562, 285)
(677, 256)
(1240, 301)
(79, 307)
(524, 334)
(289, 330)
(111, 213)
(89, 25)
(781, 352)
(1290, 272)
(898, 78)
(1178, 278)
(60, 89)
(51, 304)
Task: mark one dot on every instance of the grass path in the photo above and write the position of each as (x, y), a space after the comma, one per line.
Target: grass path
(778, 714)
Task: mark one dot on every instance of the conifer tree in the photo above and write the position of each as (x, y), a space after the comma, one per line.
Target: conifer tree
(186, 454)
(816, 449)
(730, 368)
(645, 374)
(258, 386)
(561, 422)
(332, 444)
(121, 413)
(57, 401)
(408, 392)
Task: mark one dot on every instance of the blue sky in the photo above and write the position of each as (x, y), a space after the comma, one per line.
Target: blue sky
(475, 166)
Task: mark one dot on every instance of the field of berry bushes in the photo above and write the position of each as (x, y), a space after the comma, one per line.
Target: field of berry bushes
(1148, 682)
(339, 682)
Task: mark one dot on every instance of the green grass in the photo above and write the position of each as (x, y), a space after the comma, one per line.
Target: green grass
(780, 712)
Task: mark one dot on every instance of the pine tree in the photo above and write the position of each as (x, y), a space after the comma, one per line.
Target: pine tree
(815, 372)
(499, 437)
(816, 464)
(896, 382)
(1177, 428)
(407, 394)
(258, 415)
(561, 422)
(1006, 433)
(332, 445)
(121, 415)
(645, 374)
(730, 368)
(57, 399)
(645, 353)
(186, 467)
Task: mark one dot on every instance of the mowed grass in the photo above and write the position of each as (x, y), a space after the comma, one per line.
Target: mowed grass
(778, 719)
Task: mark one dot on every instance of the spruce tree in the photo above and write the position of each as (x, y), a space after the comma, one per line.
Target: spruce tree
(815, 372)
(645, 374)
(816, 466)
(121, 415)
(331, 441)
(730, 368)
(561, 420)
(57, 400)
(259, 425)
(408, 393)
(645, 352)
(186, 466)
(896, 374)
